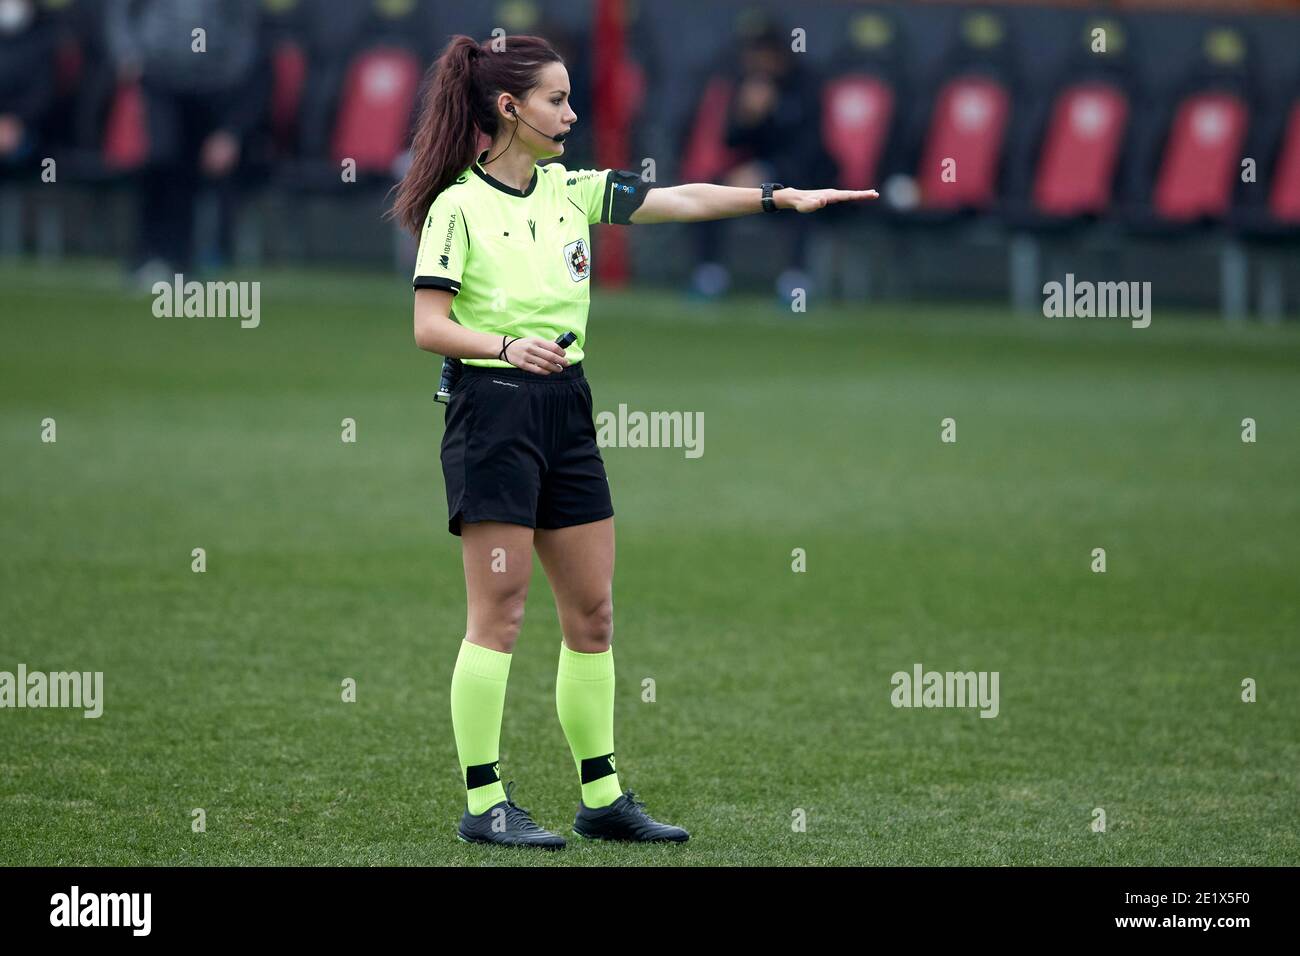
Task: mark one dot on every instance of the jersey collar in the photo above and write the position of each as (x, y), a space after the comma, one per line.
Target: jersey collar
(481, 173)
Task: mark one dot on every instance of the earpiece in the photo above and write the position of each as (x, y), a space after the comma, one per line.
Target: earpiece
(559, 138)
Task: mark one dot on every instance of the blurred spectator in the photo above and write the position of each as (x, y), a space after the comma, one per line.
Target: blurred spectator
(572, 45)
(774, 118)
(200, 108)
(27, 78)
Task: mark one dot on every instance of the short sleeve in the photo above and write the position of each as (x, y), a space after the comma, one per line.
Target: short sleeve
(607, 195)
(444, 244)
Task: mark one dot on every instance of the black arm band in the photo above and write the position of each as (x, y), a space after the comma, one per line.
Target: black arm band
(624, 194)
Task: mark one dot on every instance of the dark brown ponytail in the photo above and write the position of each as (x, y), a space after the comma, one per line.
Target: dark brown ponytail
(459, 103)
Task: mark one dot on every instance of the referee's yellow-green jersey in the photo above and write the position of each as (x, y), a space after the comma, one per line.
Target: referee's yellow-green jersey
(519, 262)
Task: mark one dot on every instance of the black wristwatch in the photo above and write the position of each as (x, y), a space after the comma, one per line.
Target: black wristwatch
(769, 204)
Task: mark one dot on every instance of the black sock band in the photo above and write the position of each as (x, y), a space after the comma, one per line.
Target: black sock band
(482, 774)
(593, 768)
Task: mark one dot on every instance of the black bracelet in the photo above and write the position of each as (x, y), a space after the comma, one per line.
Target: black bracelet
(505, 345)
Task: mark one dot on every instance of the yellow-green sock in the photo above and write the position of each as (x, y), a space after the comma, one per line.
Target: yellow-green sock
(478, 699)
(584, 700)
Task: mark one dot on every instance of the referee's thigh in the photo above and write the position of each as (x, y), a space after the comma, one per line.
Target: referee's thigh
(498, 561)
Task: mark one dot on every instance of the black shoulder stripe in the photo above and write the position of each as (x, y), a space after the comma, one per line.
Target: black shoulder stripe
(436, 282)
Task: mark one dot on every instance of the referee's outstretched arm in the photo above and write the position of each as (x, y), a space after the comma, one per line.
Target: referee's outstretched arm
(698, 202)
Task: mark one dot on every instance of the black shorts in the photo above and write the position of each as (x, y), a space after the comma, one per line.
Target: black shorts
(521, 447)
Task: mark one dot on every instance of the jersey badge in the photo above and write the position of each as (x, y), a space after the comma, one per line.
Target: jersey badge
(578, 259)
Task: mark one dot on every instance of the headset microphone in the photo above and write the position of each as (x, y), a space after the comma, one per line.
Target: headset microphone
(559, 137)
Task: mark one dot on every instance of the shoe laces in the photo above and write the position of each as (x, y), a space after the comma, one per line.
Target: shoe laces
(515, 813)
(636, 808)
(635, 804)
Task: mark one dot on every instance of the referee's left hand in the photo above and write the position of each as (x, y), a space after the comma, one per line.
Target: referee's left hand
(538, 356)
(810, 200)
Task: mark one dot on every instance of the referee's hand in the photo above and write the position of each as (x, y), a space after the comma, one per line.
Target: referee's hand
(536, 355)
(810, 200)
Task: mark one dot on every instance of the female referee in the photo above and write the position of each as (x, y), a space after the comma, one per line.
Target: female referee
(508, 241)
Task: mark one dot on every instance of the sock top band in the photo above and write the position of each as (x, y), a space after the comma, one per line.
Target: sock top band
(483, 661)
(578, 666)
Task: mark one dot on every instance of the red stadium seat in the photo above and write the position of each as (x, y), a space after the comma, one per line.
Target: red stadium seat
(707, 155)
(70, 65)
(289, 72)
(1076, 169)
(969, 126)
(856, 116)
(375, 108)
(126, 136)
(630, 81)
(1284, 200)
(1202, 157)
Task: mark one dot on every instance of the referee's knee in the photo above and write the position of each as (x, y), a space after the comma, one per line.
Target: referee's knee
(592, 628)
(498, 625)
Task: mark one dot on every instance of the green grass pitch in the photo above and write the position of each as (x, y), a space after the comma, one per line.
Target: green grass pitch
(328, 560)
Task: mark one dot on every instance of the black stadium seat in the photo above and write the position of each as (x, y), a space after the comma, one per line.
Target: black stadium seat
(866, 102)
(1186, 168)
(1067, 162)
(964, 124)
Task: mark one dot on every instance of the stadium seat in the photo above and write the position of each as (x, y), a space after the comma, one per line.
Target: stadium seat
(1266, 215)
(1076, 171)
(960, 133)
(355, 107)
(289, 74)
(952, 152)
(1070, 145)
(375, 106)
(70, 63)
(1186, 168)
(1187, 164)
(857, 114)
(1200, 164)
(862, 136)
(862, 121)
(1064, 182)
(968, 127)
(1284, 197)
(126, 135)
(707, 156)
